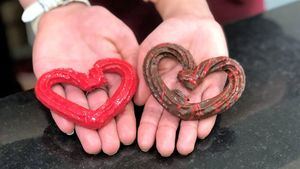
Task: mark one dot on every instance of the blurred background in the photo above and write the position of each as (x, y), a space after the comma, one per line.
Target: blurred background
(16, 38)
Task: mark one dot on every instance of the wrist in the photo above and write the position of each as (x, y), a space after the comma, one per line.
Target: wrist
(26, 3)
(60, 12)
(173, 8)
(34, 11)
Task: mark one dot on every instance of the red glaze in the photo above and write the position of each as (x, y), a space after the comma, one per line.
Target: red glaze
(93, 119)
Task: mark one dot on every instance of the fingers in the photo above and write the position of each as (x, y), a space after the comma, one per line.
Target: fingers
(188, 129)
(166, 134)
(143, 91)
(125, 121)
(108, 135)
(217, 82)
(153, 125)
(205, 126)
(89, 139)
(187, 137)
(148, 124)
(63, 124)
(126, 125)
(109, 138)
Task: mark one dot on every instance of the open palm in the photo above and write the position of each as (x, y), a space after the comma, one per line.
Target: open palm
(204, 38)
(76, 36)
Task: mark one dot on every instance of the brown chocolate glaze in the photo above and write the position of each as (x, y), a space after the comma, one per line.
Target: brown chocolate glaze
(191, 76)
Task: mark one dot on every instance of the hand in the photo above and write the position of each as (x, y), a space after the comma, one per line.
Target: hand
(204, 38)
(76, 36)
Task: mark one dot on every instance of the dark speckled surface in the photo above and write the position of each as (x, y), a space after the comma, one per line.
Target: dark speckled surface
(260, 131)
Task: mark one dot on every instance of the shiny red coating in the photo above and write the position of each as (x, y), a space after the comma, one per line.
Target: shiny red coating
(93, 119)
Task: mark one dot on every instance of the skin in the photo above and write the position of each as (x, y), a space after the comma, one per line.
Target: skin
(75, 36)
(204, 38)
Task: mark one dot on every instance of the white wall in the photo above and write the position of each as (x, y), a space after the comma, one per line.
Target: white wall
(271, 4)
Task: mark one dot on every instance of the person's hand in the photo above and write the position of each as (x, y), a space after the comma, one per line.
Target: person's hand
(204, 38)
(76, 36)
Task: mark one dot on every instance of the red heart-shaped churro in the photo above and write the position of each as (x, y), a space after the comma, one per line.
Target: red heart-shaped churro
(93, 119)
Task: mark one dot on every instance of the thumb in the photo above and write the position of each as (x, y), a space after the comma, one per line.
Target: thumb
(127, 45)
(143, 91)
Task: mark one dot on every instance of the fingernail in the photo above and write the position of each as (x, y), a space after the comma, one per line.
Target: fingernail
(71, 133)
(144, 146)
(144, 149)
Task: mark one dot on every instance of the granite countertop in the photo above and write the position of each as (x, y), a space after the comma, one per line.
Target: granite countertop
(260, 131)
